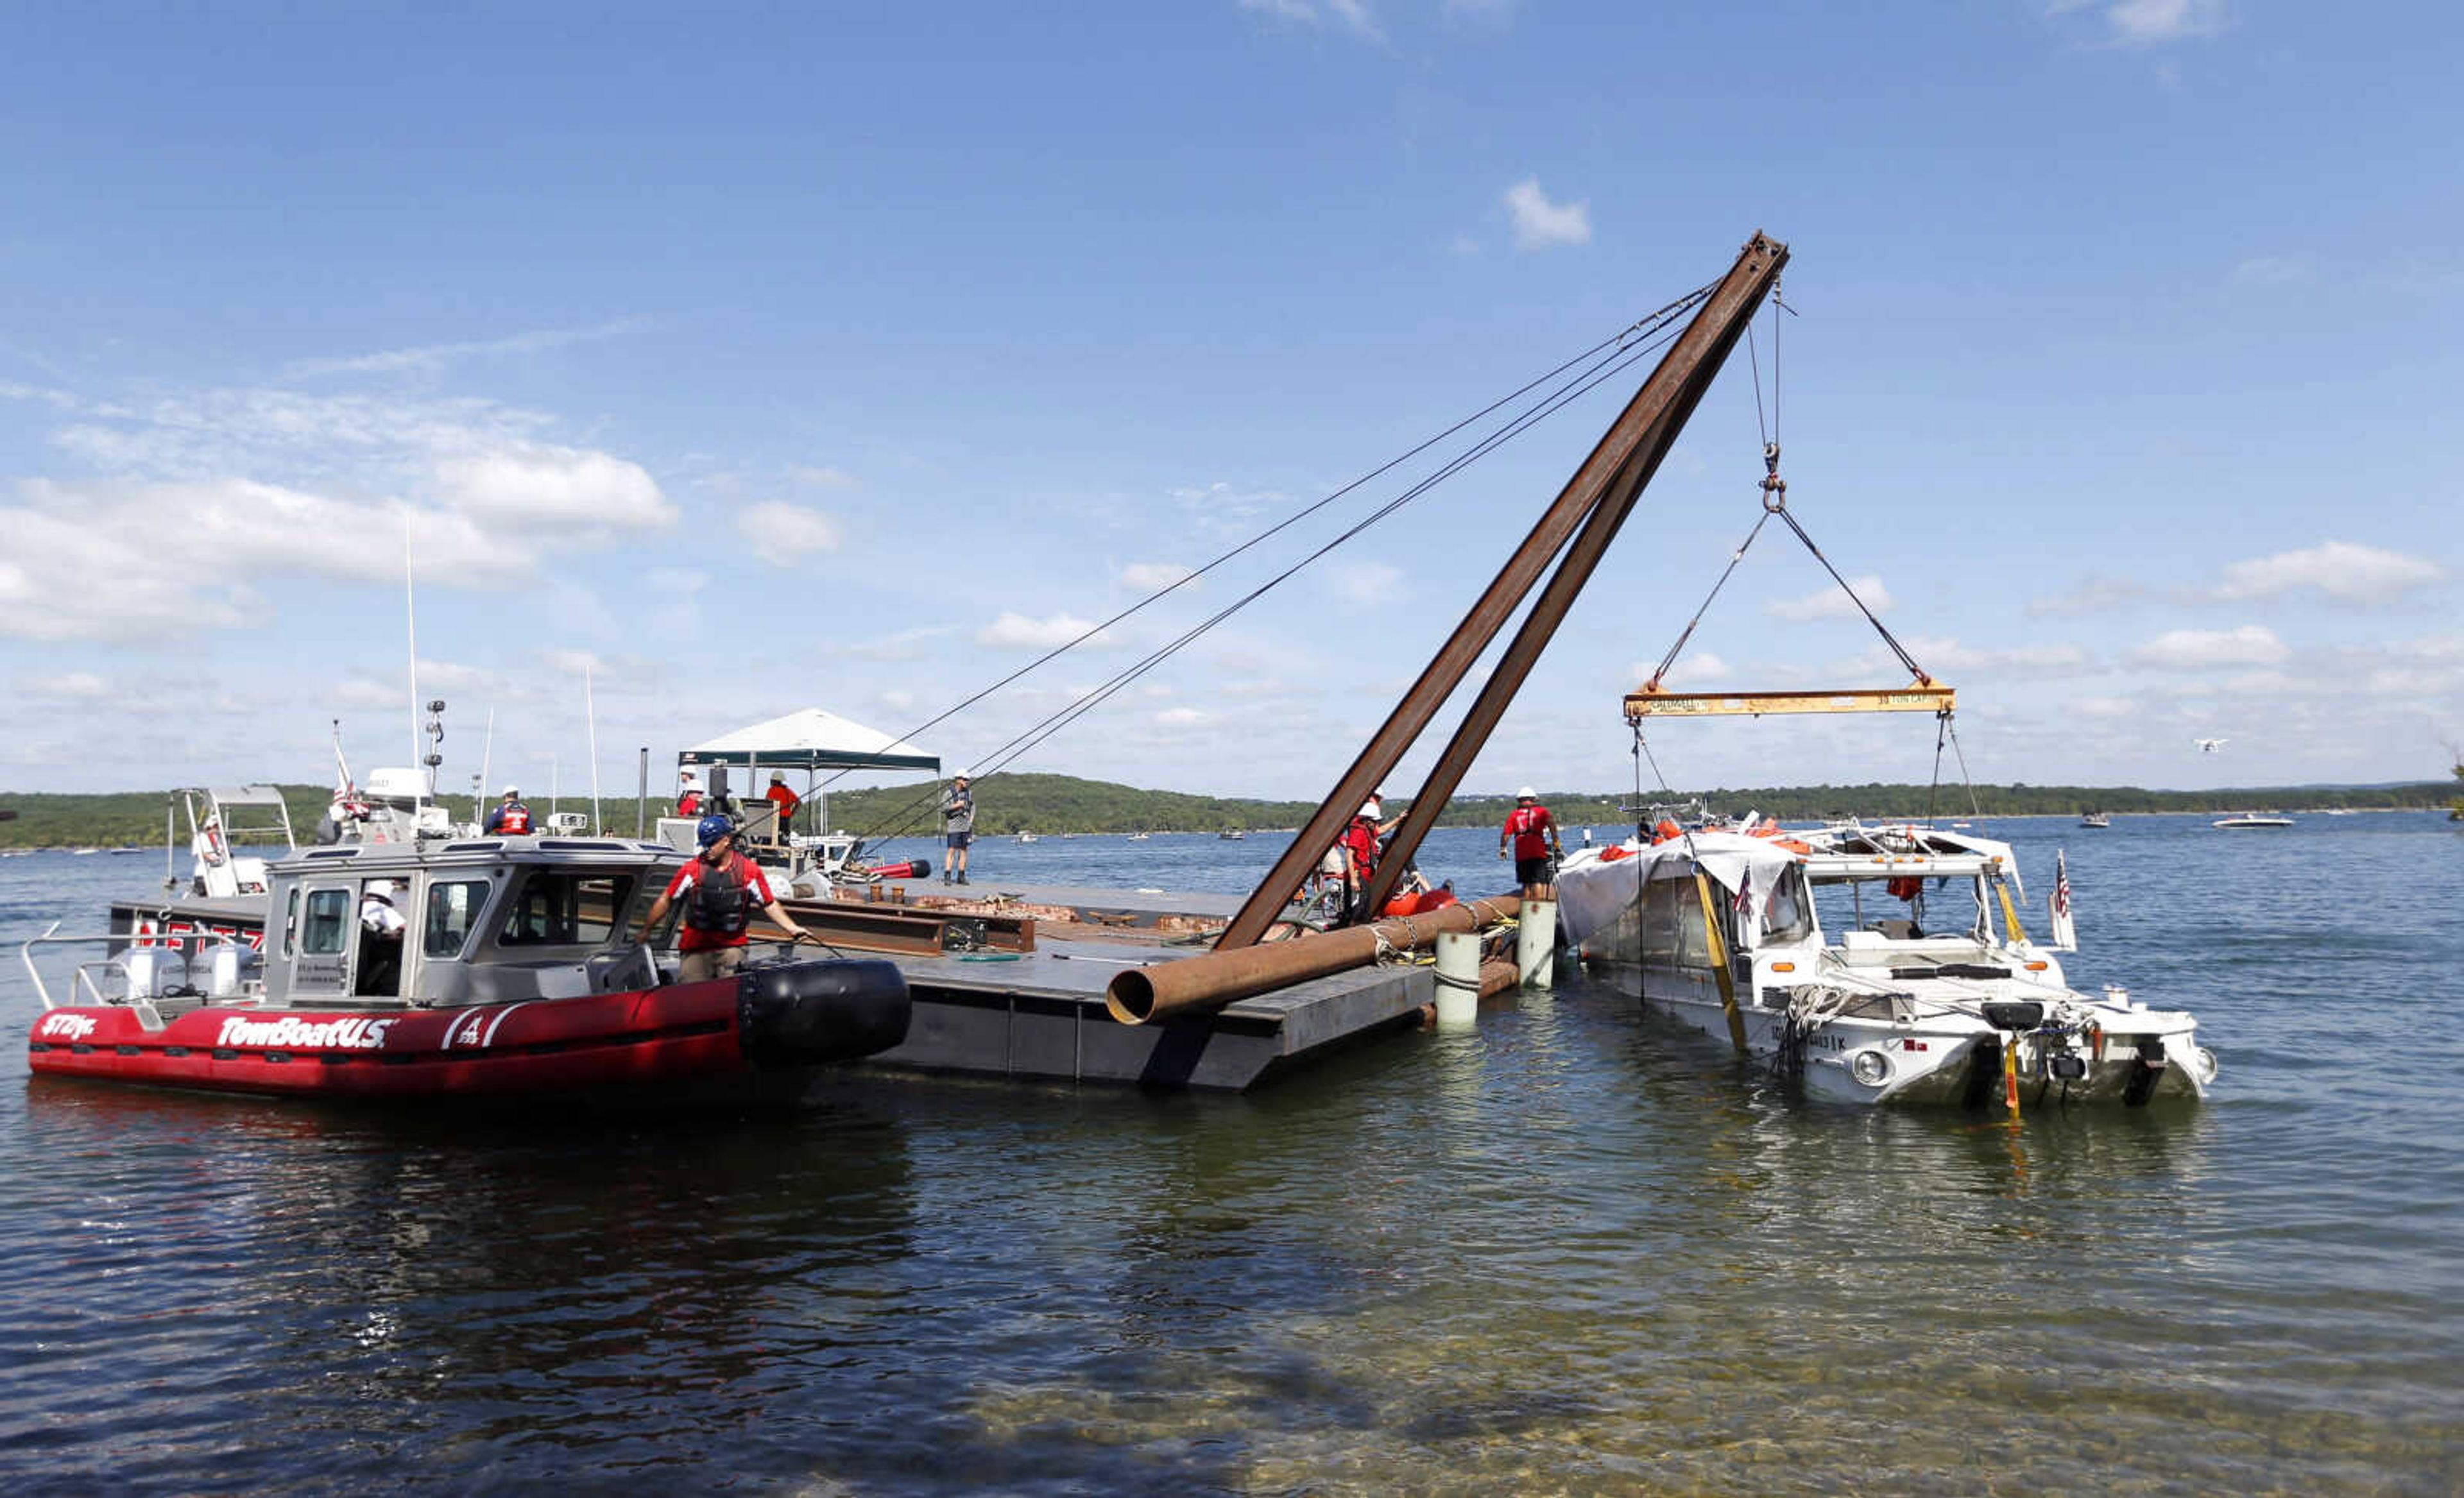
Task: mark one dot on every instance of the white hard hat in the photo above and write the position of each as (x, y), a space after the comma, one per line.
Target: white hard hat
(963, 775)
(512, 790)
(684, 775)
(380, 889)
(1369, 809)
(1526, 793)
(781, 776)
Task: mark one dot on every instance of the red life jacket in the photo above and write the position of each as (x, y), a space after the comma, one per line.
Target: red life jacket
(1527, 824)
(689, 804)
(513, 821)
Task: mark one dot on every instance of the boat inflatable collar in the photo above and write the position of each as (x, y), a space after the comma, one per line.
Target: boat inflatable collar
(804, 1014)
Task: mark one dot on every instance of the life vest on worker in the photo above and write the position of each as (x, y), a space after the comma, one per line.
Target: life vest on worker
(721, 902)
(689, 804)
(1528, 827)
(513, 821)
(1905, 889)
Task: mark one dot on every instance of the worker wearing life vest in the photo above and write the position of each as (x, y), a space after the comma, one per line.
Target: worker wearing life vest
(687, 795)
(1360, 848)
(721, 891)
(1533, 835)
(508, 818)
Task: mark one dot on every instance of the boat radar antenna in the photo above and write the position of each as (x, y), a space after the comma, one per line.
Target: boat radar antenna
(434, 731)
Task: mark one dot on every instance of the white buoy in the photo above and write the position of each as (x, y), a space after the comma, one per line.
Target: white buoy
(1457, 979)
(1535, 943)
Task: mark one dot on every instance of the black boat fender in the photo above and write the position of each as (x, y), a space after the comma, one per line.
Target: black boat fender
(802, 1014)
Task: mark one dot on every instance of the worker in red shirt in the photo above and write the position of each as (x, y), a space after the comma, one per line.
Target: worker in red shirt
(721, 890)
(1534, 834)
(687, 795)
(1359, 845)
(785, 799)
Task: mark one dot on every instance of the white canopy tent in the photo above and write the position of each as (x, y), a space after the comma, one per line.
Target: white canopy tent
(811, 740)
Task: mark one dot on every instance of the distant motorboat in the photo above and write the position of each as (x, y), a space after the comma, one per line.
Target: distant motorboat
(2252, 819)
(1137, 837)
(1232, 835)
(1026, 837)
(2096, 819)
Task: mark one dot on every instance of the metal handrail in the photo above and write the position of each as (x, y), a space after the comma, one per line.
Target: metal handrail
(85, 971)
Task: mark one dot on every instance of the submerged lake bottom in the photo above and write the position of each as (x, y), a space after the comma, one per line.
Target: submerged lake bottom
(1575, 1249)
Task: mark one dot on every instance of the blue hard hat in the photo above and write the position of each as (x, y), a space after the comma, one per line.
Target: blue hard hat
(714, 827)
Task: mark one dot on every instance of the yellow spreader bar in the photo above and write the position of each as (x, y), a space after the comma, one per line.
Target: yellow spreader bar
(1918, 696)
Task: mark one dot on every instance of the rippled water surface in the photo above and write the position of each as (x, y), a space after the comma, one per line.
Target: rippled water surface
(1570, 1251)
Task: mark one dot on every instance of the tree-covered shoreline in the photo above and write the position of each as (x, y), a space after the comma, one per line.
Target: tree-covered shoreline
(1008, 803)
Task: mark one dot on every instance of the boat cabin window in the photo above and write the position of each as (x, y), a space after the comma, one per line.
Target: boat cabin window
(453, 911)
(1790, 915)
(1672, 924)
(290, 925)
(564, 908)
(327, 929)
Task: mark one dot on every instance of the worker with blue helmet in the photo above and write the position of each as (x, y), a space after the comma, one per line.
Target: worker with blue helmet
(720, 889)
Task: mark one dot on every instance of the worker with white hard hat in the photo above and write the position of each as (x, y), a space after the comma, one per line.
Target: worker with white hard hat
(509, 817)
(1534, 836)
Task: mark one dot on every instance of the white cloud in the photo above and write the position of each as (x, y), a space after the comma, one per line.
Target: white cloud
(2341, 570)
(1693, 669)
(2146, 23)
(118, 561)
(434, 357)
(74, 684)
(822, 478)
(1370, 582)
(1152, 577)
(1015, 631)
(1539, 223)
(1180, 717)
(785, 534)
(1832, 604)
(1943, 656)
(1351, 16)
(2251, 645)
(539, 486)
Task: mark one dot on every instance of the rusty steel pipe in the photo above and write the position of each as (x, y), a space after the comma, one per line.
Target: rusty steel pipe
(1677, 383)
(1215, 979)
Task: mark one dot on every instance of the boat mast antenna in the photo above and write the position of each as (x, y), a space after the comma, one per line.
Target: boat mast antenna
(411, 638)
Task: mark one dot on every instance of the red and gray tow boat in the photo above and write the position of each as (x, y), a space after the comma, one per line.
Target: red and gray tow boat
(523, 970)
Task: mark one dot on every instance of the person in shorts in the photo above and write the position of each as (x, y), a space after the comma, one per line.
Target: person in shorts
(1533, 835)
(957, 828)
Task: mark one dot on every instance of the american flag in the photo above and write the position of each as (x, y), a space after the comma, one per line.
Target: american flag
(1744, 904)
(2061, 901)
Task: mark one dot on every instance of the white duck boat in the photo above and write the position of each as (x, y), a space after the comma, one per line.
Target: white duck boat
(1726, 933)
(2248, 821)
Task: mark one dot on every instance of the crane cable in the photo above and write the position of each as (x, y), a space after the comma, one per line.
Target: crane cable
(1628, 347)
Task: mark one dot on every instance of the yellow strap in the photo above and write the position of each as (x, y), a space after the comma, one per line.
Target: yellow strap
(2010, 913)
(1718, 952)
(2010, 1074)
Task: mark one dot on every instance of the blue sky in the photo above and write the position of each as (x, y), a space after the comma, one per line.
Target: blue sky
(771, 357)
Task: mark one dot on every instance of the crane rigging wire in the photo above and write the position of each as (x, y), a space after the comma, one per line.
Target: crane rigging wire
(1646, 326)
(1628, 348)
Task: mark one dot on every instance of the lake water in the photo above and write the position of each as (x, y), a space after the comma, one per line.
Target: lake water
(1573, 1251)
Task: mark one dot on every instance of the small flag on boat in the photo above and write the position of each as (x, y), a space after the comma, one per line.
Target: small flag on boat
(2059, 907)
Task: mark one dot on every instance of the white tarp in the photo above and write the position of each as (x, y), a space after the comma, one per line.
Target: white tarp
(811, 740)
(1595, 889)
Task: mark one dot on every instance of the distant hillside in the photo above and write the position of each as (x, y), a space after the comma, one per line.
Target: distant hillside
(1008, 804)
